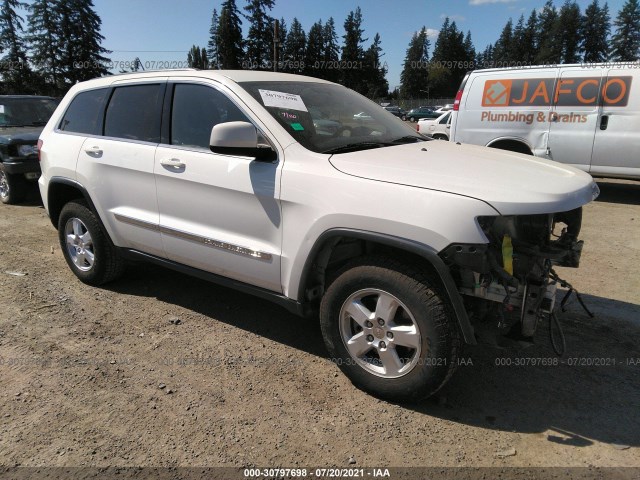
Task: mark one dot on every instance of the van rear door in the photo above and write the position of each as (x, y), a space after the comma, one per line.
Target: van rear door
(574, 116)
(615, 151)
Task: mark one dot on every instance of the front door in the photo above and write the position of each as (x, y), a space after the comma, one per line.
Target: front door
(218, 213)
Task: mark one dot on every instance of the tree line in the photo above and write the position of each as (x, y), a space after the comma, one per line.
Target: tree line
(59, 43)
(318, 53)
(57, 46)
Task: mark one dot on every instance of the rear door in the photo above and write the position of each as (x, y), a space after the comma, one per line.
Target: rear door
(218, 213)
(574, 116)
(117, 168)
(615, 152)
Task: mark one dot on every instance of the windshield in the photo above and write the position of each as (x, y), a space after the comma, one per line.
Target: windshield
(328, 118)
(23, 112)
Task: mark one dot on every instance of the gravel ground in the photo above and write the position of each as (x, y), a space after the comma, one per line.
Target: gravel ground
(160, 369)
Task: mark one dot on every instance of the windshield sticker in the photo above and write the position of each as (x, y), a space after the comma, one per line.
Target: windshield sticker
(297, 127)
(1, 108)
(289, 116)
(282, 100)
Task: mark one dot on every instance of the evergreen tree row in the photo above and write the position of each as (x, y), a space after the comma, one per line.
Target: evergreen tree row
(57, 46)
(316, 52)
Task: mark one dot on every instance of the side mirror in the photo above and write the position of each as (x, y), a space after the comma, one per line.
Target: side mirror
(239, 138)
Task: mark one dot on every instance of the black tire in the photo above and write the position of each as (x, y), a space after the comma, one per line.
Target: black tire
(13, 188)
(439, 338)
(412, 120)
(107, 264)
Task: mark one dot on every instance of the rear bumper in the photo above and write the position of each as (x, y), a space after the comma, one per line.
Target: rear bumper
(22, 165)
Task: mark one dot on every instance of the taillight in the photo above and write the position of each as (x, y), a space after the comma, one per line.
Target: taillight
(418, 128)
(456, 104)
(39, 148)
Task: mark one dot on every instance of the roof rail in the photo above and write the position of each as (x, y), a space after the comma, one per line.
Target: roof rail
(156, 70)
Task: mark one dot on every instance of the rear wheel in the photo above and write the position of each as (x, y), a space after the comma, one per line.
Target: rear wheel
(86, 247)
(13, 188)
(412, 119)
(390, 329)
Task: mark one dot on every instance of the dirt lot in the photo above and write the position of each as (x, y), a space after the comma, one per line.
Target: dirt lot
(99, 377)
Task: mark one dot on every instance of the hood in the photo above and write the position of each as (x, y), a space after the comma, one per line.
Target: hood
(20, 135)
(512, 183)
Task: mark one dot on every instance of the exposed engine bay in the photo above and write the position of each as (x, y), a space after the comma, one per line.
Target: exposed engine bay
(509, 284)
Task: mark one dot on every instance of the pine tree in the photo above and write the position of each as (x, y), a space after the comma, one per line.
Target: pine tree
(230, 46)
(530, 39)
(570, 31)
(82, 56)
(503, 50)
(485, 59)
(331, 53)
(352, 52)
(295, 48)
(414, 76)
(43, 41)
(519, 47)
(212, 45)
(197, 58)
(451, 57)
(259, 42)
(595, 32)
(548, 36)
(625, 43)
(16, 73)
(315, 50)
(375, 83)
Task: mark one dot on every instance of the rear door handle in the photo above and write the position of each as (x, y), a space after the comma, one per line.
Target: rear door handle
(172, 162)
(604, 122)
(94, 151)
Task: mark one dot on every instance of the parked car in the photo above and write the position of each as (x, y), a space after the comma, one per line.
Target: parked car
(421, 112)
(585, 117)
(447, 108)
(22, 118)
(406, 248)
(362, 117)
(397, 111)
(438, 129)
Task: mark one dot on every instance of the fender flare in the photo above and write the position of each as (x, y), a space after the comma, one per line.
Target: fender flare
(422, 250)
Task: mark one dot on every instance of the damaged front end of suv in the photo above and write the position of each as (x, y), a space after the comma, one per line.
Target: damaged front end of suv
(508, 284)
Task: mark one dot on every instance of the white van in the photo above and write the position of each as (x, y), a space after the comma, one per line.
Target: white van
(587, 115)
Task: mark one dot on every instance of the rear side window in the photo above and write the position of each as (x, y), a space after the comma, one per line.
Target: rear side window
(84, 112)
(134, 113)
(196, 109)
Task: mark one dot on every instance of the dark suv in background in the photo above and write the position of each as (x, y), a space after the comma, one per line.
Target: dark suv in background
(22, 118)
(397, 111)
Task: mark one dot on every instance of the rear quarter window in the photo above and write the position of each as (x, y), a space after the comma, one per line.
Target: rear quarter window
(134, 113)
(85, 112)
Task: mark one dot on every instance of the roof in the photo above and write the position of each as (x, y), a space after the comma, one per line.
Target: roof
(219, 75)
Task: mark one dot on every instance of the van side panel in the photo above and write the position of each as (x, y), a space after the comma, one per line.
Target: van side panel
(507, 105)
(615, 150)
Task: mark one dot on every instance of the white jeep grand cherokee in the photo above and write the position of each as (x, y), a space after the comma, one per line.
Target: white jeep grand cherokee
(407, 248)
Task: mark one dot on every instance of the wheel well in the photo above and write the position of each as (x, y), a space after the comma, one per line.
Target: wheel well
(338, 251)
(513, 146)
(59, 195)
(438, 136)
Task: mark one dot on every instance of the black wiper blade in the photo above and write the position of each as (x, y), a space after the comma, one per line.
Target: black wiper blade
(409, 139)
(352, 147)
(36, 124)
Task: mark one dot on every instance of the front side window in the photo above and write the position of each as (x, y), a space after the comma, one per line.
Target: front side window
(134, 113)
(196, 110)
(84, 112)
(445, 119)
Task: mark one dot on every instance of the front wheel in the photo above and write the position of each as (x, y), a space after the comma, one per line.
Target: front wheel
(86, 247)
(390, 329)
(13, 188)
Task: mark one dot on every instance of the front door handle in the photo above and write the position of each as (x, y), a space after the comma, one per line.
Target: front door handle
(93, 151)
(172, 162)
(604, 122)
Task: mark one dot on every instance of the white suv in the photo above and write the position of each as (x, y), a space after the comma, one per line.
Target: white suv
(406, 247)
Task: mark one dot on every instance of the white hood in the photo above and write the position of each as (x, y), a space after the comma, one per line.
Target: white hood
(514, 184)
